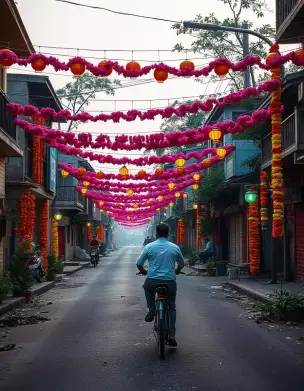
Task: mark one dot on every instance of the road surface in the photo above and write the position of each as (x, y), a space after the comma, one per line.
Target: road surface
(96, 339)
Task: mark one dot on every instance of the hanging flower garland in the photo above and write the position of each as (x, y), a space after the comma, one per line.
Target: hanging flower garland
(44, 232)
(277, 184)
(55, 238)
(100, 233)
(89, 232)
(254, 237)
(27, 217)
(234, 97)
(198, 239)
(264, 199)
(38, 153)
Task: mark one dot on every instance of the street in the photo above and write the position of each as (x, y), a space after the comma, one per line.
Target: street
(96, 339)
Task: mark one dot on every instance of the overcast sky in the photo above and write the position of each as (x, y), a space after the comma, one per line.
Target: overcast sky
(51, 23)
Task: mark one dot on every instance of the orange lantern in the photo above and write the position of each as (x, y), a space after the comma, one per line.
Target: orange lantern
(160, 198)
(81, 171)
(195, 186)
(135, 206)
(160, 75)
(38, 65)
(100, 175)
(159, 171)
(158, 209)
(221, 153)
(100, 203)
(128, 217)
(221, 69)
(86, 183)
(215, 135)
(271, 57)
(77, 68)
(84, 191)
(64, 173)
(177, 195)
(117, 204)
(124, 172)
(130, 192)
(148, 203)
(107, 69)
(206, 163)
(196, 177)
(6, 61)
(185, 196)
(133, 66)
(171, 185)
(141, 174)
(180, 170)
(89, 224)
(171, 204)
(187, 65)
(180, 162)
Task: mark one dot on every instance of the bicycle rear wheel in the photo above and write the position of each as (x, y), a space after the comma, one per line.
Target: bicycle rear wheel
(161, 331)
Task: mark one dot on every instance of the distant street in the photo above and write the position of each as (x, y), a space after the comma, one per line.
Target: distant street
(96, 339)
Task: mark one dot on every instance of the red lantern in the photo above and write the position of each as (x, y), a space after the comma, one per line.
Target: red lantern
(100, 175)
(38, 65)
(221, 69)
(141, 174)
(107, 69)
(160, 75)
(206, 163)
(187, 66)
(159, 171)
(148, 203)
(81, 171)
(133, 66)
(6, 61)
(180, 171)
(77, 68)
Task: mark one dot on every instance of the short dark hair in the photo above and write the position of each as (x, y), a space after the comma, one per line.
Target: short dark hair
(162, 230)
(206, 238)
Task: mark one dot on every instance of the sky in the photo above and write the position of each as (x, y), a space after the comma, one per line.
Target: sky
(52, 23)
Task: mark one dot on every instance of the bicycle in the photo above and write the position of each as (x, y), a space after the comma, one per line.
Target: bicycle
(161, 322)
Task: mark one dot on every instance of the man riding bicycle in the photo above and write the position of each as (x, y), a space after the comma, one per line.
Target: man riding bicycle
(162, 256)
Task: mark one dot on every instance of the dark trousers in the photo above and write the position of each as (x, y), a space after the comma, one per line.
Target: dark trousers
(150, 289)
(206, 256)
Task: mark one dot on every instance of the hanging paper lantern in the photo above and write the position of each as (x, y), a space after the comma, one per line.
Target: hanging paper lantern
(221, 69)
(84, 191)
(160, 75)
(180, 170)
(100, 203)
(128, 217)
(117, 204)
(271, 57)
(187, 65)
(171, 185)
(107, 69)
(158, 209)
(77, 68)
(135, 206)
(177, 195)
(150, 218)
(64, 173)
(86, 183)
(101, 210)
(100, 175)
(89, 224)
(124, 172)
(221, 153)
(159, 171)
(141, 174)
(133, 66)
(195, 186)
(130, 192)
(148, 203)
(185, 196)
(215, 135)
(196, 177)
(171, 204)
(81, 171)
(38, 65)
(160, 198)
(166, 208)
(6, 61)
(180, 162)
(195, 206)
(206, 163)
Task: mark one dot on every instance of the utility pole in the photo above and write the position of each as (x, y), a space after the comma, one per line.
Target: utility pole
(245, 53)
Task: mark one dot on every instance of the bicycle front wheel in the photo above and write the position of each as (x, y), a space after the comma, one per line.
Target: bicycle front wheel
(161, 331)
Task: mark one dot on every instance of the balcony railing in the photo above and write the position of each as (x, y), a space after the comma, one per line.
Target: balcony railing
(67, 197)
(283, 9)
(289, 16)
(6, 120)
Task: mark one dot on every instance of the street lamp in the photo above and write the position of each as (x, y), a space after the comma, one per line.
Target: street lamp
(251, 196)
(58, 215)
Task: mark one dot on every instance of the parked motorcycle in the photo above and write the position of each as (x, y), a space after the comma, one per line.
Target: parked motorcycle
(35, 264)
(94, 254)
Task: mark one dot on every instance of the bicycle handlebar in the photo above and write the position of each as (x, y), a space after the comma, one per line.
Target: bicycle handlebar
(140, 274)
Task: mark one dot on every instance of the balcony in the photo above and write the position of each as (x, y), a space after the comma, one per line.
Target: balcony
(68, 197)
(292, 137)
(289, 20)
(8, 131)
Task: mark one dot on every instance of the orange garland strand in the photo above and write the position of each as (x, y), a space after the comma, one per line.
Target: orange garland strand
(55, 238)
(198, 228)
(254, 237)
(180, 232)
(38, 154)
(44, 232)
(264, 199)
(89, 233)
(27, 217)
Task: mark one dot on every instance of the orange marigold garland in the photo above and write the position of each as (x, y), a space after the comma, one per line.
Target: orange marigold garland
(254, 237)
(38, 154)
(198, 228)
(27, 217)
(180, 232)
(44, 232)
(263, 199)
(89, 232)
(277, 185)
(100, 233)
(55, 239)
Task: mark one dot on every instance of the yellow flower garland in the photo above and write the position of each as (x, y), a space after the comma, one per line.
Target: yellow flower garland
(55, 244)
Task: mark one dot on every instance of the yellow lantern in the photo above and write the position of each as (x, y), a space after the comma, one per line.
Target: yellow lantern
(100, 203)
(171, 185)
(171, 204)
(196, 177)
(135, 206)
(185, 196)
(166, 208)
(215, 135)
(89, 224)
(64, 173)
(158, 209)
(123, 171)
(84, 191)
(130, 192)
(86, 183)
(195, 186)
(180, 162)
(221, 153)
(195, 206)
(101, 210)
(177, 195)
(160, 198)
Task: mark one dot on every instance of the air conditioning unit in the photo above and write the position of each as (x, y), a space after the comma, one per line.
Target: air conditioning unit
(301, 92)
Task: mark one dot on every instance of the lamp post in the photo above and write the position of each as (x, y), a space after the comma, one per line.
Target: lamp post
(58, 215)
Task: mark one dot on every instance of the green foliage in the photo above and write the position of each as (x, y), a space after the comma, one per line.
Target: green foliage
(188, 251)
(212, 183)
(214, 44)
(21, 275)
(253, 162)
(76, 95)
(55, 266)
(211, 265)
(284, 302)
(5, 284)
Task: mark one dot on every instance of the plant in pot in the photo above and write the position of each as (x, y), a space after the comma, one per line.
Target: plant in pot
(6, 284)
(60, 265)
(286, 306)
(52, 267)
(211, 267)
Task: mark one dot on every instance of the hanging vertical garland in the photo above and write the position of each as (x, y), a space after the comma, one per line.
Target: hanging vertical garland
(89, 232)
(180, 232)
(38, 153)
(27, 217)
(44, 232)
(100, 233)
(263, 199)
(55, 239)
(254, 237)
(198, 227)
(276, 139)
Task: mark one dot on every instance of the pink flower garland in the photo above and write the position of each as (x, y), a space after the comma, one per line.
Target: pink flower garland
(241, 66)
(132, 115)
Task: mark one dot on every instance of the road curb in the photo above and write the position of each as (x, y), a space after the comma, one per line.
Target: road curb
(249, 292)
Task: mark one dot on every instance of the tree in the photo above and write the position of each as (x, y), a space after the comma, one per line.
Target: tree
(75, 96)
(214, 44)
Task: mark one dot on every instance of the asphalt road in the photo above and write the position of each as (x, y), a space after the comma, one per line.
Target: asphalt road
(96, 339)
